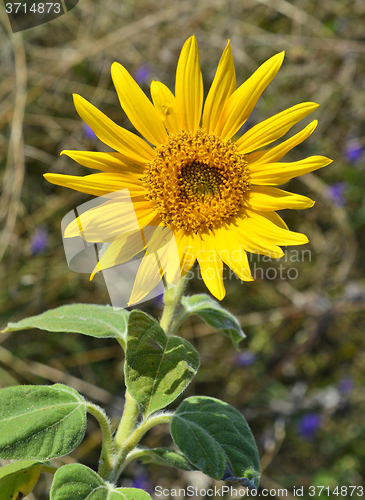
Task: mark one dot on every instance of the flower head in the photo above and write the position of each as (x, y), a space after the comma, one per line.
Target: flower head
(214, 193)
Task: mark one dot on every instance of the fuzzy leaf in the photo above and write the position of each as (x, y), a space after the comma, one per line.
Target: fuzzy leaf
(76, 481)
(210, 311)
(40, 422)
(88, 319)
(216, 439)
(18, 479)
(158, 368)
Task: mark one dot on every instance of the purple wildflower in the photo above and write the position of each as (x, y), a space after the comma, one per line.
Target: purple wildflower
(244, 358)
(141, 481)
(89, 133)
(158, 301)
(142, 74)
(353, 151)
(335, 194)
(39, 241)
(308, 425)
(346, 385)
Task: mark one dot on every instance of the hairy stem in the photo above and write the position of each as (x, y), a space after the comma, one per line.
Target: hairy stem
(132, 455)
(172, 300)
(106, 461)
(133, 440)
(128, 421)
(179, 319)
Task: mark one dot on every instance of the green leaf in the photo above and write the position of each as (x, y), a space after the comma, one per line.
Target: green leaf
(131, 494)
(158, 368)
(78, 482)
(40, 422)
(210, 311)
(216, 438)
(89, 319)
(167, 457)
(18, 479)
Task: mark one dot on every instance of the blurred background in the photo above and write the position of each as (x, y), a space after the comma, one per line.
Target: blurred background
(299, 379)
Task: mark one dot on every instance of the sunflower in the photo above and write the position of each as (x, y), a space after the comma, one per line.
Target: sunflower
(208, 195)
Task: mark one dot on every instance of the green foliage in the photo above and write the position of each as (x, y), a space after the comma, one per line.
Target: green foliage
(40, 422)
(18, 479)
(213, 314)
(216, 438)
(76, 481)
(158, 368)
(88, 319)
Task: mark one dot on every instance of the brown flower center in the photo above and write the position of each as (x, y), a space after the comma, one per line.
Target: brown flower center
(196, 181)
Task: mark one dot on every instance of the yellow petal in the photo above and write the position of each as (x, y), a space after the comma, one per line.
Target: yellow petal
(276, 219)
(107, 162)
(139, 109)
(266, 198)
(232, 253)
(165, 102)
(279, 173)
(274, 233)
(241, 103)
(148, 276)
(273, 128)
(164, 245)
(224, 84)
(100, 224)
(276, 153)
(131, 146)
(211, 265)
(101, 184)
(121, 250)
(146, 213)
(177, 255)
(157, 237)
(251, 239)
(189, 86)
(111, 219)
(187, 245)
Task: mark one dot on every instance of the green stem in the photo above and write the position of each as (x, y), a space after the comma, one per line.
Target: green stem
(136, 453)
(133, 440)
(179, 319)
(122, 343)
(49, 469)
(128, 436)
(172, 300)
(106, 461)
(128, 421)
